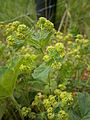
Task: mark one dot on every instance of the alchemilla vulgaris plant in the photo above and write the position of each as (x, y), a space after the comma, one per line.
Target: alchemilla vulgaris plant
(44, 74)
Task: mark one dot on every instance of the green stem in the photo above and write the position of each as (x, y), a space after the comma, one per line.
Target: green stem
(17, 107)
(49, 82)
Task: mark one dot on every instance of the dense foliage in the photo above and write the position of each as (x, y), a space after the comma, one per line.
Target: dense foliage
(44, 74)
(77, 19)
(77, 16)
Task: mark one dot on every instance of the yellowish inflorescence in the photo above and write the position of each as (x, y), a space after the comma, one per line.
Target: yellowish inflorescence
(54, 54)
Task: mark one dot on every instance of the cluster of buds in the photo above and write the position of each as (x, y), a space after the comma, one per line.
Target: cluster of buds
(49, 104)
(15, 33)
(56, 65)
(25, 111)
(37, 104)
(66, 98)
(28, 63)
(11, 27)
(54, 54)
(68, 37)
(36, 101)
(77, 50)
(10, 40)
(43, 23)
(62, 115)
(22, 31)
(59, 36)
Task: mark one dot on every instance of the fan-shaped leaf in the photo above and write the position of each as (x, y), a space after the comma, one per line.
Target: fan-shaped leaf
(8, 77)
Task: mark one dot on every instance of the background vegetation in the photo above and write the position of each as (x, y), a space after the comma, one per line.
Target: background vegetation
(77, 19)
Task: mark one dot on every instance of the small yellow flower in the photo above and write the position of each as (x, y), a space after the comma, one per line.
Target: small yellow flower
(56, 65)
(50, 115)
(22, 67)
(54, 104)
(46, 103)
(16, 23)
(46, 58)
(62, 54)
(50, 109)
(62, 115)
(59, 47)
(49, 48)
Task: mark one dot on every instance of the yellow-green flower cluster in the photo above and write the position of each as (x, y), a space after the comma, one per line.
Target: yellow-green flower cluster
(25, 50)
(36, 101)
(54, 54)
(61, 87)
(66, 98)
(10, 40)
(78, 49)
(53, 101)
(16, 32)
(50, 49)
(25, 111)
(50, 103)
(49, 25)
(22, 67)
(80, 41)
(68, 37)
(59, 36)
(46, 58)
(62, 115)
(43, 23)
(59, 47)
(37, 104)
(56, 65)
(22, 31)
(50, 115)
(11, 27)
(47, 103)
(28, 62)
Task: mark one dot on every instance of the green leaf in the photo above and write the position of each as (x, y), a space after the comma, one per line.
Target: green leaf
(40, 42)
(2, 109)
(73, 115)
(36, 37)
(84, 105)
(35, 40)
(8, 77)
(41, 116)
(41, 72)
(45, 39)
